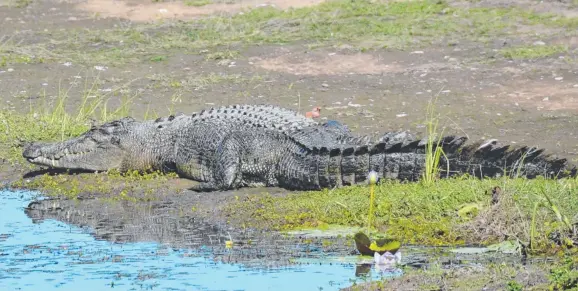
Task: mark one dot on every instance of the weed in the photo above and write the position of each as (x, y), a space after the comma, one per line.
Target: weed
(565, 276)
(434, 151)
(222, 55)
(158, 58)
(514, 286)
(563, 231)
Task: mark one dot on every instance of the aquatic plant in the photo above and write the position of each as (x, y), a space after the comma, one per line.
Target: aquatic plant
(433, 150)
(382, 247)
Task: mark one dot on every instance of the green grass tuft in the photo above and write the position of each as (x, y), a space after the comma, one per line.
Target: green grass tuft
(565, 276)
(532, 52)
(197, 3)
(52, 121)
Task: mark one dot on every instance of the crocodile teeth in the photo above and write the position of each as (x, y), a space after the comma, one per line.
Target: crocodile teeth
(53, 163)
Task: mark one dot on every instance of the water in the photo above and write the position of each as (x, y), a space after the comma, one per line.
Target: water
(51, 255)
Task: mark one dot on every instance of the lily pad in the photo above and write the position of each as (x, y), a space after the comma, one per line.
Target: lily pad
(385, 246)
(362, 243)
(381, 245)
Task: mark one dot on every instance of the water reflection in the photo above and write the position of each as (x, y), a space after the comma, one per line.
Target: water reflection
(85, 245)
(163, 222)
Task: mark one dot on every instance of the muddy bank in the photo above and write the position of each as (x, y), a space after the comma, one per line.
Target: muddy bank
(169, 222)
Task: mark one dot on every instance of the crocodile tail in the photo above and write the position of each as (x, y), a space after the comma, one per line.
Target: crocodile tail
(397, 155)
(492, 159)
(403, 157)
(406, 160)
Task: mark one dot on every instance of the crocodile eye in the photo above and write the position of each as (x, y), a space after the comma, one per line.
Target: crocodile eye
(115, 140)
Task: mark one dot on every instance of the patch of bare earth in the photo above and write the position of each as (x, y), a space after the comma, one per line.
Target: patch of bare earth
(539, 95)
(144, 11)
(334, 63)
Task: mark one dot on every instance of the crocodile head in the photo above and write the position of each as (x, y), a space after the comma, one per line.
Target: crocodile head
(101, 148)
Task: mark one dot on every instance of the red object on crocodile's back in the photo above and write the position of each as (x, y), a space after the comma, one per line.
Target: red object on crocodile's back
(316, 112)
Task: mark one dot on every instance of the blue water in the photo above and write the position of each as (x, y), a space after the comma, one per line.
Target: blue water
(52, 255)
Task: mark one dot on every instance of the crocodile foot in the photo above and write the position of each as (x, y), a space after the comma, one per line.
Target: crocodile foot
(205, 187)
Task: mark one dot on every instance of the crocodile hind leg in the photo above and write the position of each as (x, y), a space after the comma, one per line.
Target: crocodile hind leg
(226, 170)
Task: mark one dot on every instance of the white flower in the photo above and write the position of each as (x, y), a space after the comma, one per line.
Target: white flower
(387, 259)
(373, 177)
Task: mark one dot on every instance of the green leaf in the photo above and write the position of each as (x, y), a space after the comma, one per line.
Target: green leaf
(469, 209)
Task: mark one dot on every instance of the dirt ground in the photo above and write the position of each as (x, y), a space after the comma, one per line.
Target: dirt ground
(480, 93)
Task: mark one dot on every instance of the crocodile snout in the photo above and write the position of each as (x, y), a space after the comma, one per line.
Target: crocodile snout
(32, 151)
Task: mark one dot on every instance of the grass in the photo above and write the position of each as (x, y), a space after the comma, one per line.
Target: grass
(423, 213)
(364, 24)
(532, 52)
(416, 213)
(12, 52)
(565, 276)
(51, 120)
(430, 212)
(222, 55)
(112, 186)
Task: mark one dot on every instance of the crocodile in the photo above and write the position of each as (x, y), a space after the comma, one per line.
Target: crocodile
(174, 141)
(261, 145)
